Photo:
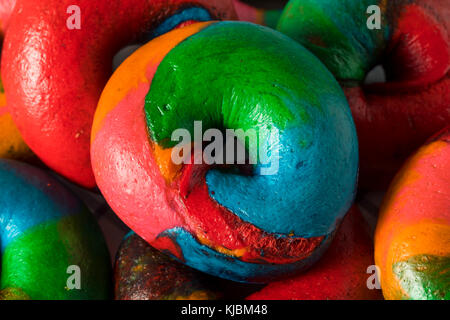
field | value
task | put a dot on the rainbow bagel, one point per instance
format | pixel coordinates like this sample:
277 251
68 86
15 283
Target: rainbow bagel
42 234
412 239
54 75
394 118
232 75
12 145
143 273
265 17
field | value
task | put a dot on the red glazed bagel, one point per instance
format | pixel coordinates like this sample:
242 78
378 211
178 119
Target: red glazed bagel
54 76
395 118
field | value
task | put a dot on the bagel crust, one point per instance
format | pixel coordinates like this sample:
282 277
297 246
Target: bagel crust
45 233
143 273
53 75
340 275
229 75
412 240
394 118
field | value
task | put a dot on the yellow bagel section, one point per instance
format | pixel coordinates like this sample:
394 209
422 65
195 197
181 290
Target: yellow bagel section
12 145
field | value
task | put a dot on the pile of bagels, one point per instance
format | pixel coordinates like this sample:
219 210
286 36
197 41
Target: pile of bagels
291 222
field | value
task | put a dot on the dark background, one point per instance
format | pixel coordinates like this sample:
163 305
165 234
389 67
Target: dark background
267 4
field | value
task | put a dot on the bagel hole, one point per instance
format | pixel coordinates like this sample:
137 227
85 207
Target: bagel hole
233 156
376 75
241 157
123 54
266 4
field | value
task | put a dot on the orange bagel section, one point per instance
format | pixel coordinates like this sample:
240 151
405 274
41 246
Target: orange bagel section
412 240
12 145
150 54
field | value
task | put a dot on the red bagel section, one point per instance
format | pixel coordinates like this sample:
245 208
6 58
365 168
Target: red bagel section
419 51
54 76
228 233
6 8
340 275
396 117
390 126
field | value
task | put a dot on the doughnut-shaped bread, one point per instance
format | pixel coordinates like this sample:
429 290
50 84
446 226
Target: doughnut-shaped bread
412 239
54 72
270 222
44 230
395 118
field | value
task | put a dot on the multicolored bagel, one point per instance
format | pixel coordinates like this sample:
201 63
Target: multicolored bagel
12 145
260 16
340 275
54 72
394 118
44 230
144 273
229 75
412 239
